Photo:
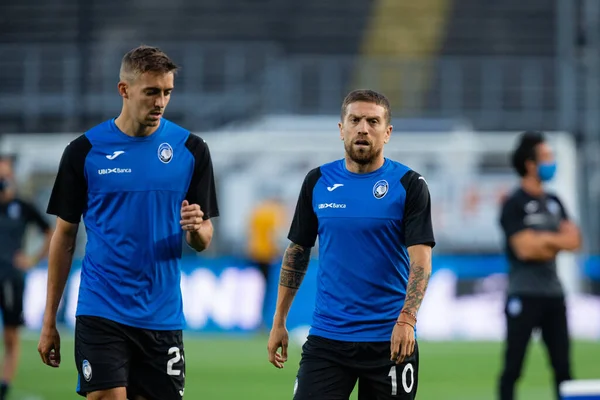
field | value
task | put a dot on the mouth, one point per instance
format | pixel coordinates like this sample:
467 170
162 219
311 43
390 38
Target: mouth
155 114
362 143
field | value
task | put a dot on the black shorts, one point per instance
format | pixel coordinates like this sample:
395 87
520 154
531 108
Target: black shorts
12 289
109 355
329 370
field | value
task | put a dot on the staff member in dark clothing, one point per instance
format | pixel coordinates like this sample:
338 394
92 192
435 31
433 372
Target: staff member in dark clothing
536 227
15 216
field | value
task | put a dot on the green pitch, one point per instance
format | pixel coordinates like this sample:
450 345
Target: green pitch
223 368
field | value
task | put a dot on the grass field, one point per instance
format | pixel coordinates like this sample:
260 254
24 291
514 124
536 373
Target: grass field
237 368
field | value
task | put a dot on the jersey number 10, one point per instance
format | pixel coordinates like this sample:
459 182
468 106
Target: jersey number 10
408 368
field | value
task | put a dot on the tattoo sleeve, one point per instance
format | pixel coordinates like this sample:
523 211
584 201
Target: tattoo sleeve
294 266
418 279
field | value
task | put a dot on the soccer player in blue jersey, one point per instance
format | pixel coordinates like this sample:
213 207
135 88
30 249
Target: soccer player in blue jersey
141 183
372 216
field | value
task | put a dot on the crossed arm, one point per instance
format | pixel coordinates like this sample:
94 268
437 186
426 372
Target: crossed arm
533 245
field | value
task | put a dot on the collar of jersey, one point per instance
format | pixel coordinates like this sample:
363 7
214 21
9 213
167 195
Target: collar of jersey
119 132
383 168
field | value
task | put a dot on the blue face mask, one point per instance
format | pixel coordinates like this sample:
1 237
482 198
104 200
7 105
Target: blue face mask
546 171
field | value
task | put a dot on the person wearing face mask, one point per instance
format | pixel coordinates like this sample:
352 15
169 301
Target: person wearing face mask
536 227
15 216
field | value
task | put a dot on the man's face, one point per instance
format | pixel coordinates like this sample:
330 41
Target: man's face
148 96
364 131
544 156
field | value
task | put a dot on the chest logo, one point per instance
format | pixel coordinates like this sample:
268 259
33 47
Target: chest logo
115 154
14 211
380 189
165 153
335 186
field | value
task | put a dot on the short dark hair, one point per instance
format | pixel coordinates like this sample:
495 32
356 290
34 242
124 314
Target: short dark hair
526 150
369 96
144 59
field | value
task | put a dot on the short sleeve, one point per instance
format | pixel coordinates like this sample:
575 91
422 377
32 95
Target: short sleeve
418 227
202 189
563 212
305 226
512 217
34 217
68 199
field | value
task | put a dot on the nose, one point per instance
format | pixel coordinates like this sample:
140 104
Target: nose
363 127
161 101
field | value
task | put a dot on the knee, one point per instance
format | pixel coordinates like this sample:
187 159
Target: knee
510 376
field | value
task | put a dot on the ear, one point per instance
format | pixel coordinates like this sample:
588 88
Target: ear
123 88
340 126
388 133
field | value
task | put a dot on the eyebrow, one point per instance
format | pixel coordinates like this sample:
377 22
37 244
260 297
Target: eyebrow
365 116
157 88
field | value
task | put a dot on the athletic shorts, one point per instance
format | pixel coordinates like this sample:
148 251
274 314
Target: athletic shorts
329 370
12 289
148 363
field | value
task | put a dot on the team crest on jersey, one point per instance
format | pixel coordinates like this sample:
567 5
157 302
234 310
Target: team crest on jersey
165 153
86 369
380 189
14 210
553 207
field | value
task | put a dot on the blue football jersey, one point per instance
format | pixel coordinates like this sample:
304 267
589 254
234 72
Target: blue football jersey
129 191
364 223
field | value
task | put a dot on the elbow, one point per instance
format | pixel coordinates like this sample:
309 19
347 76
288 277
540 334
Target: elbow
524 253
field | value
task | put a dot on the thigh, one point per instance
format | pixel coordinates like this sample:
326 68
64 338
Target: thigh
102 354
322 374
523 314
11 300
158 365
382 379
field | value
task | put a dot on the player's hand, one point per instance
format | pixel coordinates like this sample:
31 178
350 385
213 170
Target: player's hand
49 346
278 338
23 262
191 217
402 343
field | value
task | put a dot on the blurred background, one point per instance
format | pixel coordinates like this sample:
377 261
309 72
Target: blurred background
262 82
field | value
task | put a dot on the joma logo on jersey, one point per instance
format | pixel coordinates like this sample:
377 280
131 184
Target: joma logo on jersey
105 171
331 205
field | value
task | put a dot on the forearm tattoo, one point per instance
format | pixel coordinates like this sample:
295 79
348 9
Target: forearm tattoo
418 279
294 266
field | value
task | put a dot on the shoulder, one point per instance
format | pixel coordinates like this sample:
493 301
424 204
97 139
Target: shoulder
313 176
98 132
553 196
78 147
329 167
409 178
516 201
174 130
195 143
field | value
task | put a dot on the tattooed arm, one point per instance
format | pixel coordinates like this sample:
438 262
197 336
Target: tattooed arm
293 268
402 344
418 279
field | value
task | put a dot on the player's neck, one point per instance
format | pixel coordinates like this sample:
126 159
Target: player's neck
532 186
357 168
6 198
133 128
